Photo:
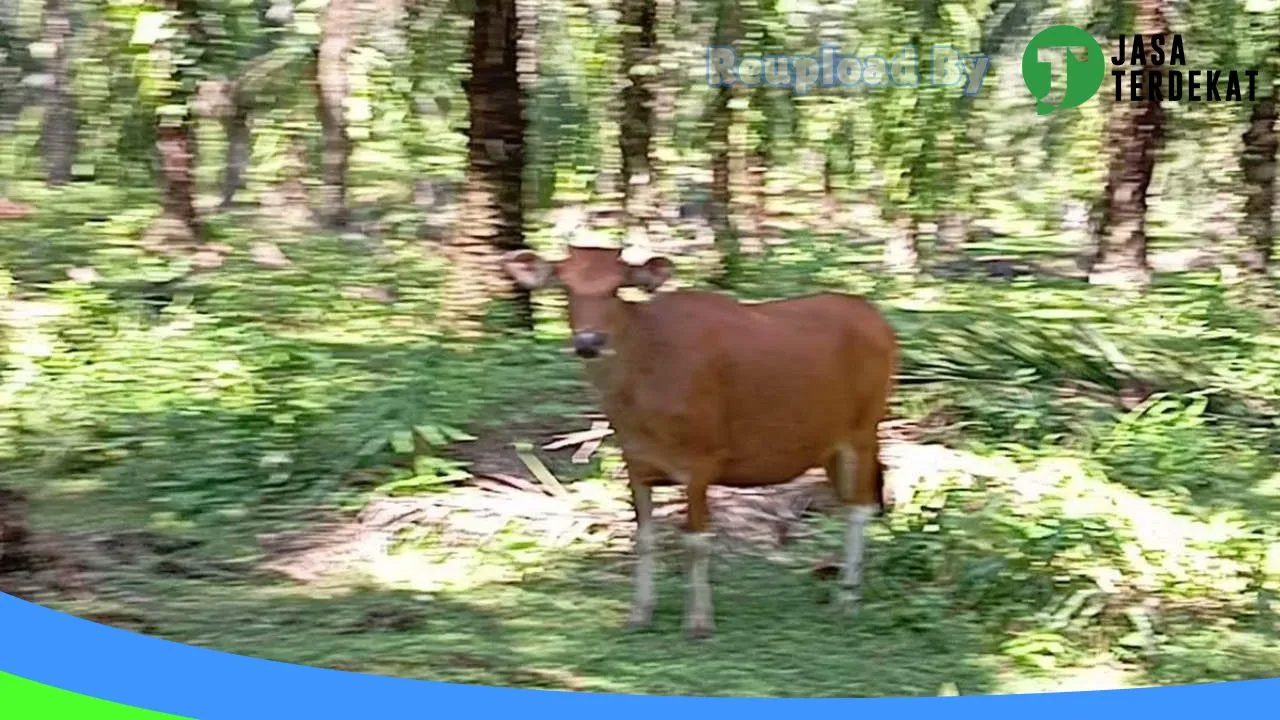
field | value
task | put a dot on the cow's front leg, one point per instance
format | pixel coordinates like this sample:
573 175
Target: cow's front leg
642 600
699 616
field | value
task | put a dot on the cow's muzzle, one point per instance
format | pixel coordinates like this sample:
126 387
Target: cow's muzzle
588 345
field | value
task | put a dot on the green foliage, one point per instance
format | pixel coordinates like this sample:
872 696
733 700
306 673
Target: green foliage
245 385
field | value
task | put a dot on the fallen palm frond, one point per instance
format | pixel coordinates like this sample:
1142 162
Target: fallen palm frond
539 470
599 430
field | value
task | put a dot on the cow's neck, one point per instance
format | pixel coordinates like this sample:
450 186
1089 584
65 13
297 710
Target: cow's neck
608 373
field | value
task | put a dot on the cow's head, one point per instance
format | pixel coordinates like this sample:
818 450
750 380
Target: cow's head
591 276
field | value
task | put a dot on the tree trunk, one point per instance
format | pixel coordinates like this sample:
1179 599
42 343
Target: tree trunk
15 532
728 156
336 32
900 190
722 161
957 192
527 38
415 22
527 28
662 143
239 139
175 141
1259 165
58 130
1136 132
759 223
175 135
953 231
639 43
13 95
491 218
749 192
901 251
830 203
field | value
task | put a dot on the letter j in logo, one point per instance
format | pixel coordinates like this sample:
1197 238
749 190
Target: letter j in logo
1051 54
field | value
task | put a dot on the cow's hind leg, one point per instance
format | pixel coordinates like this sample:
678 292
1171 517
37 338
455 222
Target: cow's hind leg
855 472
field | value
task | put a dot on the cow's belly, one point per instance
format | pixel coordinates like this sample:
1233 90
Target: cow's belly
777 458
775 437
763 455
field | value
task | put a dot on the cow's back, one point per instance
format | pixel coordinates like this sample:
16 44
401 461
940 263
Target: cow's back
772 386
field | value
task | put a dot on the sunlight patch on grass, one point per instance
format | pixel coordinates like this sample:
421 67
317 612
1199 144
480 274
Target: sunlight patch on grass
1271 565
1163 547
927 305
359 334
1060 314
1266 340
1101 674
75 487
1270 487
460 570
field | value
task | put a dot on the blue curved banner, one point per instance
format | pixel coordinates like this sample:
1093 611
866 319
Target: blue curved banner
65 652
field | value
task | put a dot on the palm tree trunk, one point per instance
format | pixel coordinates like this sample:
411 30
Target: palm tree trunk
332 86
728 158
13 96
901 247
175 141
15 532
1259 165
901 254
239 138
662 145
175 136
528 32
491 219
635 138
1136 132
58 131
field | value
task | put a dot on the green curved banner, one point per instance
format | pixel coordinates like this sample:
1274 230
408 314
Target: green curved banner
22 699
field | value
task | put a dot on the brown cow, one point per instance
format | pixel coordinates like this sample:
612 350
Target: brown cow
703 390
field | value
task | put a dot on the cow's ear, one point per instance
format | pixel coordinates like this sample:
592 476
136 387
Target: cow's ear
528 269
652 274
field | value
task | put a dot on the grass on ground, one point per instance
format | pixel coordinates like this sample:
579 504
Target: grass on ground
1094 476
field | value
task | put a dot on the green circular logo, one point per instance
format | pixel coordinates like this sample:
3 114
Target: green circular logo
1082 78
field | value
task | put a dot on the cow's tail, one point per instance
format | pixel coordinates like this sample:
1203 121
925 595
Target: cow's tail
881 496
886 500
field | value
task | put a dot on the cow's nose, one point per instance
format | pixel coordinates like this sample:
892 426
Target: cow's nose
588 344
